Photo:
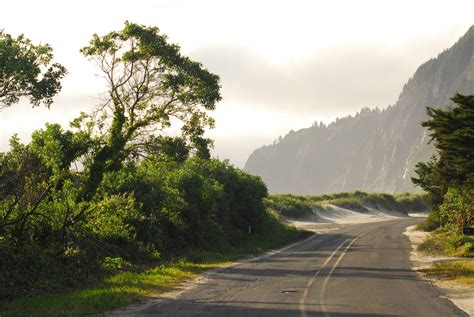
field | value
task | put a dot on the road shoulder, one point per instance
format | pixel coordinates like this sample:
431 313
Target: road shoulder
461 296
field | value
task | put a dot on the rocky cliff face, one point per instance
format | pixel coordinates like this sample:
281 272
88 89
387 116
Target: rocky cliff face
377 149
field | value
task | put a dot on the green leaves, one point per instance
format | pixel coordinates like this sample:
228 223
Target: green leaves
22 72
451 171
453 133
457 209
150 86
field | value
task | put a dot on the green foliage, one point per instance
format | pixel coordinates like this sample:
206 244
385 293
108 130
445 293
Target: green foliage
445 242
111 218
454 134
413 202
457 209
149 84
115 264
352 203
430 179
30 269
432 222
289 205
158 205
190 204
26 71
449 176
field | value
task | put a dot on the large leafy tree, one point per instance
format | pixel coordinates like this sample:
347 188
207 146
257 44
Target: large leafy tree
150 86
26 71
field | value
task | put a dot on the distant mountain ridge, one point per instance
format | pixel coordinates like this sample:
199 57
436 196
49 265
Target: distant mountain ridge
376 150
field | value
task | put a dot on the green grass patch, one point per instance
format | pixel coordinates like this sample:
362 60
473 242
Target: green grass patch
442 242
114 291
135 282
458 272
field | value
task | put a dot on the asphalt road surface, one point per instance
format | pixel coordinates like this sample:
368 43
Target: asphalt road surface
358 270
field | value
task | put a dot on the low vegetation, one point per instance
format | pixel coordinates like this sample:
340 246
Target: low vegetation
446 243
290 205
302 206
459 272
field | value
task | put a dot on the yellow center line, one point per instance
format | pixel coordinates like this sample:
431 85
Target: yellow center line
313 279
326 280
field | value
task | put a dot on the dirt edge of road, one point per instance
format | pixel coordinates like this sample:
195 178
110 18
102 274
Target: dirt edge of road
461 296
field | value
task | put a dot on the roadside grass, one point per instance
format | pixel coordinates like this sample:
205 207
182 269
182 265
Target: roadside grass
459 272
446 243
128 286
115 291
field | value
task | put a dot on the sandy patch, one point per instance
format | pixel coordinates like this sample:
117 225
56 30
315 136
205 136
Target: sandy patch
418 214
333 217
461 296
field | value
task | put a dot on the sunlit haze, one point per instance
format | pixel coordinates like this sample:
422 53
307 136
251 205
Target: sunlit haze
283 64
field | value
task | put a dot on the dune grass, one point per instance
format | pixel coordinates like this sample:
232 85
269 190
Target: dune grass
295 206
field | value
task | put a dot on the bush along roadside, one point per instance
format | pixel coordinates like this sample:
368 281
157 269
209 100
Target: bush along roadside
446 243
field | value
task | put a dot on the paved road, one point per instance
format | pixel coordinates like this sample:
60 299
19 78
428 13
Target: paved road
359 270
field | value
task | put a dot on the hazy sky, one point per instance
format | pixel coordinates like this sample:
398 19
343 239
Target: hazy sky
283 64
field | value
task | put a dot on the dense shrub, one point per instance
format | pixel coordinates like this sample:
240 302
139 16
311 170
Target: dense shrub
432 222
457 209
162 204
448 243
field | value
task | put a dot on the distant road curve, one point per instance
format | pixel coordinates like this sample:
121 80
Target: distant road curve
358 270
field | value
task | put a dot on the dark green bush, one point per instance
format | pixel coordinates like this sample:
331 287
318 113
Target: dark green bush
162 205
432 222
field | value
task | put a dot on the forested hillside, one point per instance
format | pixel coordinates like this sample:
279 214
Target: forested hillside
376 150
